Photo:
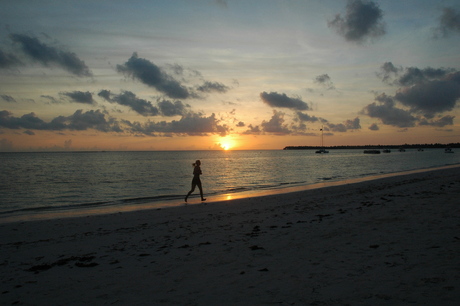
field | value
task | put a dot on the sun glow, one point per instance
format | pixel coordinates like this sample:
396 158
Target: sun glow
226 143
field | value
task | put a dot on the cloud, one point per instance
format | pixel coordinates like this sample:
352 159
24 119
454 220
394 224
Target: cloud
393 75
47 55
8 60
449 22
385 110
305 117
344 127
275 99
440 122
51 99
144 107
79 97
276 124
129 99
362 20
429 98
325 81
252 130
192 124
151 75
170 109
7 98
213 87
78 121
425 92
374 127
388 71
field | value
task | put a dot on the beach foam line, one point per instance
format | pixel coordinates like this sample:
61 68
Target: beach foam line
79 211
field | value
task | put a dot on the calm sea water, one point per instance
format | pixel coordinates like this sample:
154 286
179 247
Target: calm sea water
31 182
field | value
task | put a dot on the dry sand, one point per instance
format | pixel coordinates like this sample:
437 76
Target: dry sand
391 241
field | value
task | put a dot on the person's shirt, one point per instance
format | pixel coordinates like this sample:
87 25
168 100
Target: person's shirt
197 171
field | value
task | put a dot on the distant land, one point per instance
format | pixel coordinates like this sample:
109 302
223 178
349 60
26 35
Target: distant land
405 146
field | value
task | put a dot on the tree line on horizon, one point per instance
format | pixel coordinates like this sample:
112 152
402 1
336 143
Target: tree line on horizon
405 146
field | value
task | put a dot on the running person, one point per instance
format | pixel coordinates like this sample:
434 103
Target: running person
196 180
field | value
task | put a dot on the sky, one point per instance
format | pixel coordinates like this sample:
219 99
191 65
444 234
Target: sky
227 74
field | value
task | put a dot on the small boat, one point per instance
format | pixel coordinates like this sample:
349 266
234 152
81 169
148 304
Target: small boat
322 150
402 150
371 151
448 150
420 149
386 151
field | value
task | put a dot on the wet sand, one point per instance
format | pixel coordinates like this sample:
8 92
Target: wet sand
389 241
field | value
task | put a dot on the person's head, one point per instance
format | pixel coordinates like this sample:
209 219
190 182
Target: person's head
197 163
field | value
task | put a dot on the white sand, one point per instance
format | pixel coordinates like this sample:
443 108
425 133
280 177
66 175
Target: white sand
392 241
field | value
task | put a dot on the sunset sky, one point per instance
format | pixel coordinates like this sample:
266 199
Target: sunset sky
237 74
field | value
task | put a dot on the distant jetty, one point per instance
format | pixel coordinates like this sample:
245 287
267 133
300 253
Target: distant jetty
381 147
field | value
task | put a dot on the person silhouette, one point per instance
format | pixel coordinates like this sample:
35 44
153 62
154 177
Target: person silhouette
196 180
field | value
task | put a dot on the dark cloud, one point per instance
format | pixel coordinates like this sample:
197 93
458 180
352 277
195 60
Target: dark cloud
429 98
51 99
47 55
374 127
7 98
79 96
276 124
353 124
28 132
213 87
240 124
325 80
440 122
28 121
449 22
8 60
400 76
192 124
129 99
425 92
344 127
275 99
144 107
170 109
362 20
151 75
253 130
78 121
105 94
384 109
388 72
305 117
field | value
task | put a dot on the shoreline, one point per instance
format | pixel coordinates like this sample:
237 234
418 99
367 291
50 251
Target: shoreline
391 241
78 212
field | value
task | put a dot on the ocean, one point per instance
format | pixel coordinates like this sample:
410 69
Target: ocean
33 183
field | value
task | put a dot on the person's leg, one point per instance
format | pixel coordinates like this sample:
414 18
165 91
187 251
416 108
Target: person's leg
201 191
190 192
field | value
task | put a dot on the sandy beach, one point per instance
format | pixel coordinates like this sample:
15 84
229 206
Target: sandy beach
390 241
